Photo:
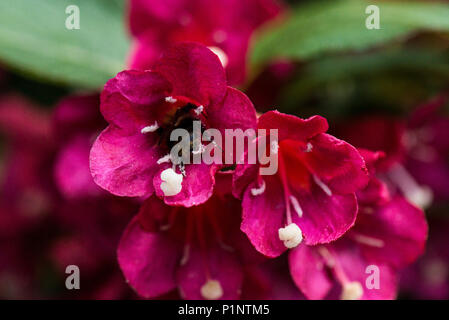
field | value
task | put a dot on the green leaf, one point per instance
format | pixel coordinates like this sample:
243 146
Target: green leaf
339 25
35 40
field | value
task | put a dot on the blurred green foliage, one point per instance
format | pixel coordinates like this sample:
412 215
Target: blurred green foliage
35 41
343 69
339 25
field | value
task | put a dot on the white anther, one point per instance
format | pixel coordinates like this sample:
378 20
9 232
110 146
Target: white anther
164 159
291 235
151 128
221 55
322 185
170 99
352 291
274 147
258 191
296 205
309 147
212 290
199 110
171 182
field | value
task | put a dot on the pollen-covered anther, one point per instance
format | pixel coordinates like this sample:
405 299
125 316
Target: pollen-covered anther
352 291
291 235
309 147
171 182
258 191
199 110
149 129
212 290
170 99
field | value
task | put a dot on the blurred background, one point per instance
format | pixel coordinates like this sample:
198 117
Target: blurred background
384 89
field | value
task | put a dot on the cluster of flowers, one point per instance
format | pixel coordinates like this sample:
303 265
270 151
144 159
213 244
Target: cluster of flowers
335 211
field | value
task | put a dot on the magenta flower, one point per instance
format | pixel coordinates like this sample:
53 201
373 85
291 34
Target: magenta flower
76 123
225 26
312 196
427 144
199 250
26 192
416 150
388 235
131 156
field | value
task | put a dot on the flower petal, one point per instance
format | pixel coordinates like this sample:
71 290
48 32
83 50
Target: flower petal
131 99
325 218
72 174
355 267
263 215
194 71
236 111
338 164
124 164
197 185
308 270
291 127
148 260
399 229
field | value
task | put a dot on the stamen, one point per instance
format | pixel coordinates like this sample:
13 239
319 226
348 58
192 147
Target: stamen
151 128
322 185
185 255
170 99
212 290
296 205
291 235
258 191
164 159
327 256
171 182
420 196
182 168
369 241
199 110
221 55
200 149
309 147
352 291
